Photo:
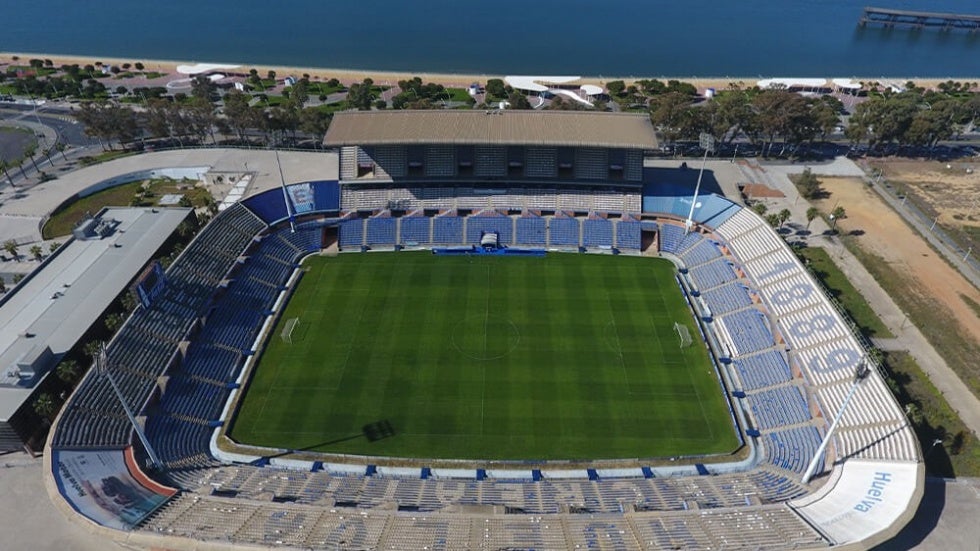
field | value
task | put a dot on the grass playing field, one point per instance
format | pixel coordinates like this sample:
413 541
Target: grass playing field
562 357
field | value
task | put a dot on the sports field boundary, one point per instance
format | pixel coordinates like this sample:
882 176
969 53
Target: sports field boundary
225 448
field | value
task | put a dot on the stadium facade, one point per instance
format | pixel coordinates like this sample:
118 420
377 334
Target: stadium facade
561 181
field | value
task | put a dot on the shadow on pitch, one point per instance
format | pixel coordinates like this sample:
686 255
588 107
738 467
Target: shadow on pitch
372 432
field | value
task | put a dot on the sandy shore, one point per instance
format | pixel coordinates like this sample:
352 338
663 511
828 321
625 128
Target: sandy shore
351 75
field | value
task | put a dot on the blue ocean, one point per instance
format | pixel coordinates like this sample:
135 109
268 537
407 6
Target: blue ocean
718 38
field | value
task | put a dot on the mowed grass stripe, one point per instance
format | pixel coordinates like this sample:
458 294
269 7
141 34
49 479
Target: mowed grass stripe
562 357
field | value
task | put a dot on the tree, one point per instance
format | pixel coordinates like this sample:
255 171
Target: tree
36 252
808 184
3 285
616 88
67 371
359 96
203 87
668 113
760 208
106 121
314 121
11 247
239 114
784 216
114 321
811 214
495 88
836 215
518 100
45 405
92 349
138 65
772 219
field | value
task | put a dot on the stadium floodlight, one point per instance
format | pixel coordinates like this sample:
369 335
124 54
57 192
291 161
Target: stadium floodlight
860 373
285 197
102 369
707 143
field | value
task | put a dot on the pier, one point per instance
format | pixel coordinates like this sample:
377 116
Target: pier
919 19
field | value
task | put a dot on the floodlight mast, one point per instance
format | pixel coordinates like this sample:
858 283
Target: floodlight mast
285 196
860 373
102 368
707 142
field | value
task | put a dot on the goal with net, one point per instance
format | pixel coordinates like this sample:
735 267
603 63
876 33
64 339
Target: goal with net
287 330
683 334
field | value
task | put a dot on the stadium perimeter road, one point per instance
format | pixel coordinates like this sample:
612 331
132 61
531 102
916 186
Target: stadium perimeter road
21 214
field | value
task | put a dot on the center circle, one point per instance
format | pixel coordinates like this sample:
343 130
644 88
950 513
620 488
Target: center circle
485 337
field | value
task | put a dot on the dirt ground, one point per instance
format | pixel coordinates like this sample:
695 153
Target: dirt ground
760 190
949 190
879 230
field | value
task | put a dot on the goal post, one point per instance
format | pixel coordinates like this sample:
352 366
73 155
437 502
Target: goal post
683 334
287 330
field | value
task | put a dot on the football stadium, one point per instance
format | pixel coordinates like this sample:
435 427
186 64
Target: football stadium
486 330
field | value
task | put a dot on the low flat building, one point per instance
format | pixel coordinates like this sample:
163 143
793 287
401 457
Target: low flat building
43 317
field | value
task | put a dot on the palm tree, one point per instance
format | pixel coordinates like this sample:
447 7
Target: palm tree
836 215
784 215
54 246
45 406
67 371
114 321
811 213
11 247
3 167
92 349
36 252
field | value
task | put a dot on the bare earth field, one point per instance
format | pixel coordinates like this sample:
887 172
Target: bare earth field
950 191
930 280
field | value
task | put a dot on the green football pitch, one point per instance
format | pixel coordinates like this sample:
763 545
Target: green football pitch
566 356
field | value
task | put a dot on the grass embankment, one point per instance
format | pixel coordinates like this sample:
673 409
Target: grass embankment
931 317
141 193
847 296
561 357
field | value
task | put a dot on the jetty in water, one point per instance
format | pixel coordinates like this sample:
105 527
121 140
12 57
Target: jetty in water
919 19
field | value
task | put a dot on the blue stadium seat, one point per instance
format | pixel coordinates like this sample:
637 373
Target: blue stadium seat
712 274
670 238
564 231
597 232
628 235
531 230
762 370
415 229
381 231
447 230
778 407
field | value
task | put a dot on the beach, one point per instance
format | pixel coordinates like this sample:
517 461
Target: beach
348 76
